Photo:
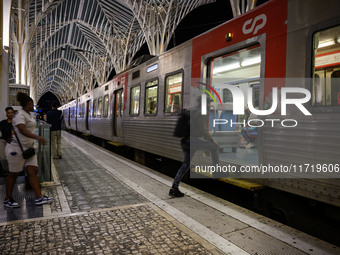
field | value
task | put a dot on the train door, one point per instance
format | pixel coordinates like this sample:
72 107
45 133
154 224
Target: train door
335 88
69 116
118 106
87 114
75 115
240 69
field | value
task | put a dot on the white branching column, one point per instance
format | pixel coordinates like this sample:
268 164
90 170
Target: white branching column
158 19
241 6
123 37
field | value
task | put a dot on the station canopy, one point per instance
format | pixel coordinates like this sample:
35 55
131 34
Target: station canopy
71 46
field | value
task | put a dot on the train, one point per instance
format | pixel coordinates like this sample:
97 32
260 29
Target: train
281 44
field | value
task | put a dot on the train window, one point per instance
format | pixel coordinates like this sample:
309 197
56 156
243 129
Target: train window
83 110
173 93
227 96
326 68
122 103
151 89
94 108
239 68
134 100
100 107
80 111
106 106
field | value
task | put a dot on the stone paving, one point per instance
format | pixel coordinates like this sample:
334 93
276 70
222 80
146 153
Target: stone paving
136 229
25 197
127 225
88 186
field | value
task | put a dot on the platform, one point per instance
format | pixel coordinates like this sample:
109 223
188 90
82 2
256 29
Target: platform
106 204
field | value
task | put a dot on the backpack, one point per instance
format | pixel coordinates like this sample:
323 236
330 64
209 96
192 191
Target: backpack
182 128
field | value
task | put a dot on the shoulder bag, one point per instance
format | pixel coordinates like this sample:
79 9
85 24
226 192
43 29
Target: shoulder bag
30 152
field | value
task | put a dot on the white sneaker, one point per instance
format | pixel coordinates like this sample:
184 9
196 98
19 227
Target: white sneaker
250 145
10 203
43 200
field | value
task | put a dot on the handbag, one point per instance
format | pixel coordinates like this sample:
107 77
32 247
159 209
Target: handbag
30 152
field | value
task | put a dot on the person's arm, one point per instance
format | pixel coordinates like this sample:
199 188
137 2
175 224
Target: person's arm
23 130
48 118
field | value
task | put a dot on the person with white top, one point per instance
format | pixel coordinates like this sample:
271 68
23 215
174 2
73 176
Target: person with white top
23 126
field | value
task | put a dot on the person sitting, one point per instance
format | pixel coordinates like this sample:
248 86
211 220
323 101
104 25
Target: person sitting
175 106
152 107
248 132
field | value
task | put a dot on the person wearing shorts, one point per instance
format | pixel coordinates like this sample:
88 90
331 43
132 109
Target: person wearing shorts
23 128
6 134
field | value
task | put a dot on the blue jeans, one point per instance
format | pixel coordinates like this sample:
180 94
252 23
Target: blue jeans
195 144
245 135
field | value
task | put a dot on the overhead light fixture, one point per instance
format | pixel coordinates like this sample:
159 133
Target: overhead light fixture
226 68
328 42
251 61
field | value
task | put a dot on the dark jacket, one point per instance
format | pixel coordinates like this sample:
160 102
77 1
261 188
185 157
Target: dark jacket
55 118
6 130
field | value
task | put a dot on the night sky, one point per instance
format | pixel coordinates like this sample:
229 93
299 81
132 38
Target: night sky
197 22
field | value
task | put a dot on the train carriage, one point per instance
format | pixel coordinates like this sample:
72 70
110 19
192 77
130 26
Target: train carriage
281 44
158 91
100 123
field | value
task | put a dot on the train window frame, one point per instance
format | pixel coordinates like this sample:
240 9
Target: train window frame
139 101
180 71
257 40
94 108
121 107
100 109
310 69
83 110
107 104
145 99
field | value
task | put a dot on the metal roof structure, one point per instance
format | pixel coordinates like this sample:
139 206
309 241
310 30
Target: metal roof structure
68 46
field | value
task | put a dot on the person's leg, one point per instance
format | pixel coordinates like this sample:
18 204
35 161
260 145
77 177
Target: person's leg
54 144
16 164
3 156
245 135
32 172
4 164
59 142
182 170
10 182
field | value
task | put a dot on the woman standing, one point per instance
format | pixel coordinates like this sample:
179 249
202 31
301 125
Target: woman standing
24 125
6 134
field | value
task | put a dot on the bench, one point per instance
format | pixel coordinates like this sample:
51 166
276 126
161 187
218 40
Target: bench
228 139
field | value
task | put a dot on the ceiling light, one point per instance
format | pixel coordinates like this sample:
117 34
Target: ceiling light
251 61
326 43
226 68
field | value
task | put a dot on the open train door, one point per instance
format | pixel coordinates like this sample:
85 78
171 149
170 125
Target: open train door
87 114
118 104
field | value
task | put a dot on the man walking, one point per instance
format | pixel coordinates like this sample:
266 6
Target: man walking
198 139
55 118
